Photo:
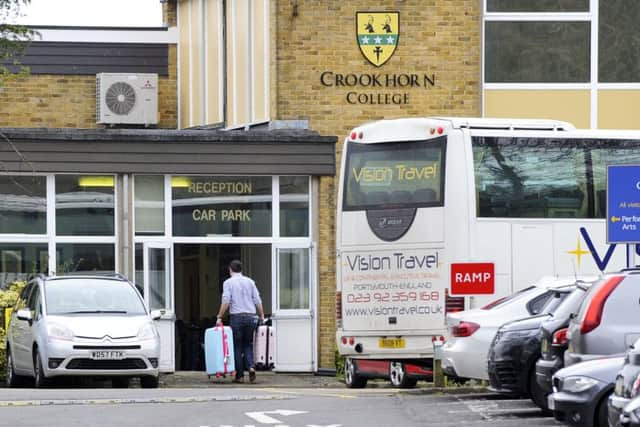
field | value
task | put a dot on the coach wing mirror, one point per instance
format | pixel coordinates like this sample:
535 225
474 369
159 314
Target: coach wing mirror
24 314
156 314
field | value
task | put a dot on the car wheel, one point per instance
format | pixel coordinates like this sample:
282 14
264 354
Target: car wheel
399 377
149 382
538 395
120 382
351 378
41 380
11 378
602 415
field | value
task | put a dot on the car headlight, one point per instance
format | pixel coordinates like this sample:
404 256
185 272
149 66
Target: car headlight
578 384
59 332
147 332
516 335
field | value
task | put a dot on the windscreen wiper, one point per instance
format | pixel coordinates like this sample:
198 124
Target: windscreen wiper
97 312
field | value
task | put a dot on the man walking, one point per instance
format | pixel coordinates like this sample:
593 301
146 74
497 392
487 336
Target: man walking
241 297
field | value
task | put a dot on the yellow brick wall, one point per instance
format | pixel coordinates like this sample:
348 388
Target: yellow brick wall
440 37
69 101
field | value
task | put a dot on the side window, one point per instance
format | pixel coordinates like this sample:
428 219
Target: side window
24 295
34 302
535 305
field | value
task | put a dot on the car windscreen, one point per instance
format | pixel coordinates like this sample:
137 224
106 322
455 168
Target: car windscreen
407 174
556 301
570 304
92 296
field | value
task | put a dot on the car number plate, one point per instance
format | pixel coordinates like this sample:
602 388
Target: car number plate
391 343
550 402
107 355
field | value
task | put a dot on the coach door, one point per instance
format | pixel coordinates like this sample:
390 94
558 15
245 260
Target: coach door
294 308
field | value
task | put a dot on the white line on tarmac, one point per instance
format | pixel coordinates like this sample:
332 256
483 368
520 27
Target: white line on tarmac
16 403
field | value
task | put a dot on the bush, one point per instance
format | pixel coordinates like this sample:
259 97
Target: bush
339 361
8 298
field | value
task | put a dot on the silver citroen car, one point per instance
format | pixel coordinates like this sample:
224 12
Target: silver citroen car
91 325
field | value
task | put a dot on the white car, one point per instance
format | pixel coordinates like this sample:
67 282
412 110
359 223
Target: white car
470 332
86 325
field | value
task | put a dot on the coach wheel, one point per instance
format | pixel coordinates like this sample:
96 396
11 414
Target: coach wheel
351 377
398 376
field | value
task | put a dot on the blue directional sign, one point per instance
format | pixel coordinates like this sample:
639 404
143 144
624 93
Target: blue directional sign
623 204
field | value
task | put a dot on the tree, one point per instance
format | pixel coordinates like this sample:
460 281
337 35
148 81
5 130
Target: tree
14 39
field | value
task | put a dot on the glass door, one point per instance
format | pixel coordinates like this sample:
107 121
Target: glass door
294 311
158 295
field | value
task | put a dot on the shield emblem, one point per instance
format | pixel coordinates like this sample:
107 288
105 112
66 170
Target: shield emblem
378 34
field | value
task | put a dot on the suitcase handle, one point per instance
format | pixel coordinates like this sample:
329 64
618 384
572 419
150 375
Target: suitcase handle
225 349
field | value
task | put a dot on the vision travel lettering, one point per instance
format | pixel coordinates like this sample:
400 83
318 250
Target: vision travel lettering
398 261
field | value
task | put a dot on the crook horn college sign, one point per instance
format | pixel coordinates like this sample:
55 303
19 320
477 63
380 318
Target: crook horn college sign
377 36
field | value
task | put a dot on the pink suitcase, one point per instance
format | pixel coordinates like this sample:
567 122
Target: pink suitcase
264 347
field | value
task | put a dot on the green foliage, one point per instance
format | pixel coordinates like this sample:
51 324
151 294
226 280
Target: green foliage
14 39
8 298
339 362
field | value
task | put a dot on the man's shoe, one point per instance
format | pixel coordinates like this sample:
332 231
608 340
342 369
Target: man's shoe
252 375
238 380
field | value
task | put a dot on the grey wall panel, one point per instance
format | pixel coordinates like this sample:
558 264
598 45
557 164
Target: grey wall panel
165 151
91 58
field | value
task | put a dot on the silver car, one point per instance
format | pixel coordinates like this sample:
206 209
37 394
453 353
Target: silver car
94 326
607 322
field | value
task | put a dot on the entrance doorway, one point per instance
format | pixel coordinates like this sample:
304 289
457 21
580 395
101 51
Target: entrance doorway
199 271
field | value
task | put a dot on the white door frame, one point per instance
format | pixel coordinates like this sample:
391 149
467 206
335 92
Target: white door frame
166 324
296 314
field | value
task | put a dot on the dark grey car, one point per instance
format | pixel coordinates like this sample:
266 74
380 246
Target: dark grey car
581 392
607 321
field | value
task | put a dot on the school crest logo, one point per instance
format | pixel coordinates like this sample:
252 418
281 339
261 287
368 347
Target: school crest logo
378 34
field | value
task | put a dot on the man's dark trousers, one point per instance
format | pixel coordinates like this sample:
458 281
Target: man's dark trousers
243 327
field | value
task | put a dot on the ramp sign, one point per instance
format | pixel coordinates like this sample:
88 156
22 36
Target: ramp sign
472 278
623 204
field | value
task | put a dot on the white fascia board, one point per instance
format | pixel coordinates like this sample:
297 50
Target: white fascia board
108 35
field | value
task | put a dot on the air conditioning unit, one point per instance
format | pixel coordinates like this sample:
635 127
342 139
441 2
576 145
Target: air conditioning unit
127 98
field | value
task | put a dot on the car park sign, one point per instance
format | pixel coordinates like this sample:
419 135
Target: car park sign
472 278
623 204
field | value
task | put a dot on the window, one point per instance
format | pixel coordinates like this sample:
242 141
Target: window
619 41
72 257
537 52
294 206
536 305
23 204
221 205
84 205
394 175
293 278
19 260
537 5
149 205
546 177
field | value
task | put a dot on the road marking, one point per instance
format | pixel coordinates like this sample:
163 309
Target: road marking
312 393
19 403
263 418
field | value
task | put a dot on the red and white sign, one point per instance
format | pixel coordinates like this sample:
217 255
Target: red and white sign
472 278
